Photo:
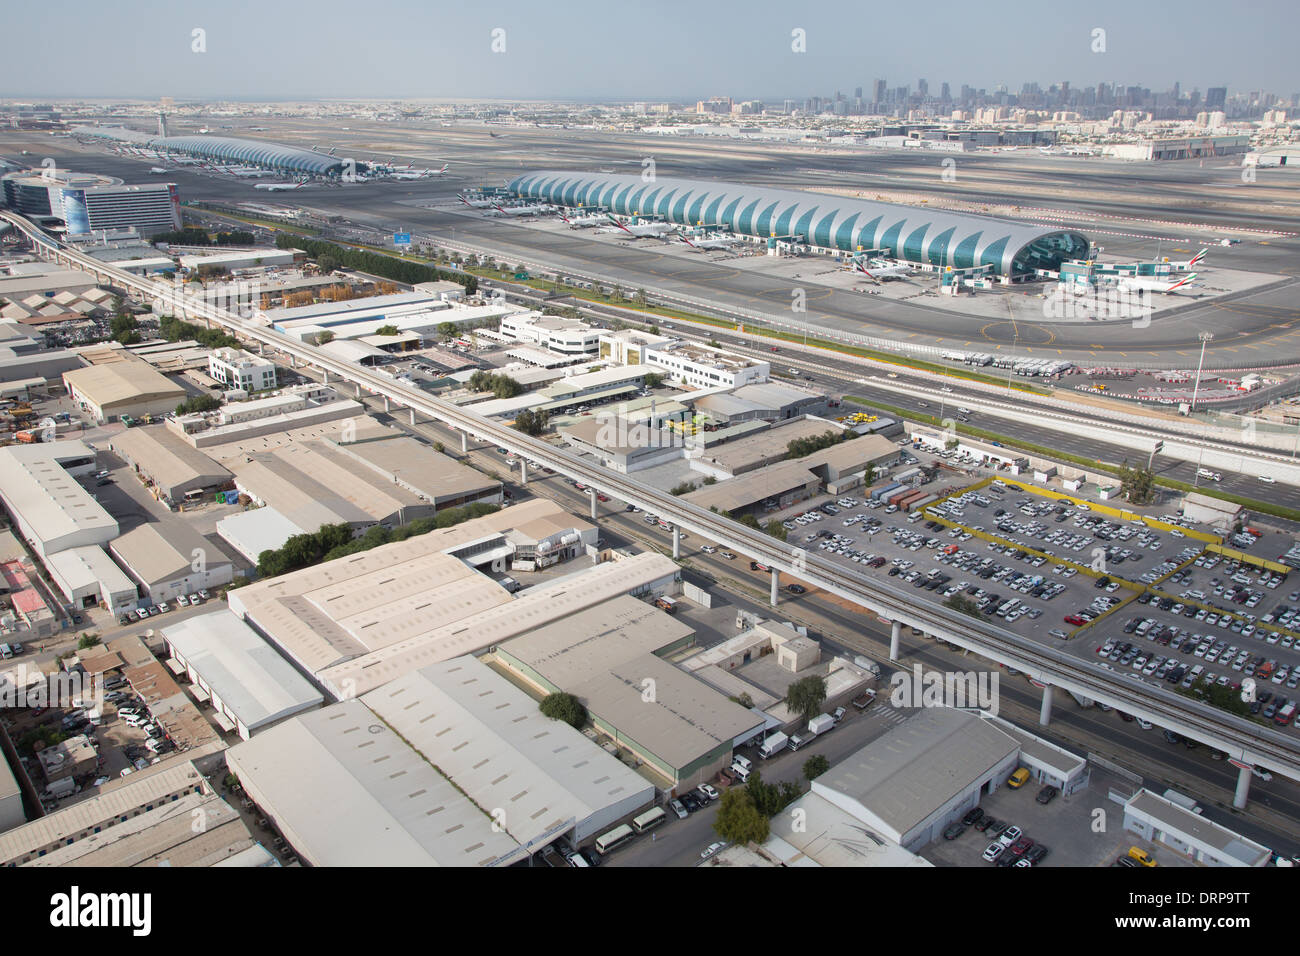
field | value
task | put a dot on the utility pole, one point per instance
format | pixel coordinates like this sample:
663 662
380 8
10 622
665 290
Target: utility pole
1205 338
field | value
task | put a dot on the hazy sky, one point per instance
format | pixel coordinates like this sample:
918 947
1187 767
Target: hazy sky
606 50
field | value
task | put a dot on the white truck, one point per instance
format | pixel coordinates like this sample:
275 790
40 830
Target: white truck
774 744
867 664
820 724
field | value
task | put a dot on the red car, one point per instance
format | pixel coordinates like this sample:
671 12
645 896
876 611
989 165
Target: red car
601 498
1021 846
1073 619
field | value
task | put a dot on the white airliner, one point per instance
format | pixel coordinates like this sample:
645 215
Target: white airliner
1191 263
584 222
523 210
716 242
409 173
157 171
643 230
280 187
880 269
477 203
1152 284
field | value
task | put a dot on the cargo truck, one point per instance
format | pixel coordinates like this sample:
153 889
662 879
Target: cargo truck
774 744
61 788
820 724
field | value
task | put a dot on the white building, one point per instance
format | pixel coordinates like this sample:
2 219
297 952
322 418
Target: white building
698 366
1189 834
53 512
241 673
88 577
571 337
171 560
238 369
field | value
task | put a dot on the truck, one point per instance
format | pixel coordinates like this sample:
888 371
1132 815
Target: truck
864 700
774 744
867 664
61 788
820 724
666 604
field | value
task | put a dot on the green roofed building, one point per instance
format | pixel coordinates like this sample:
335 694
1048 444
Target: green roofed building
930 237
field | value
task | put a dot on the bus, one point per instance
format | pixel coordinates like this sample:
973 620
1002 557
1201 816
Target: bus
649 820
609 842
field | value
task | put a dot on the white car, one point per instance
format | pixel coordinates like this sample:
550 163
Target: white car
994 851
711 849
1267 480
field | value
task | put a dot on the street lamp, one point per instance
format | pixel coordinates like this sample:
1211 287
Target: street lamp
1205 338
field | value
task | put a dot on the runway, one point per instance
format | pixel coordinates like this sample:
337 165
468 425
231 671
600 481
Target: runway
1253 329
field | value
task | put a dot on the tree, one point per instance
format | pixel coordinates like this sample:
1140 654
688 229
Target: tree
771 798
532 423
653 380
87 640
446 331
806 696
1137 485
776 530
565 707
639 298
739 821
387 330
800 447
963 605
815 766
324 337
198 403
684 488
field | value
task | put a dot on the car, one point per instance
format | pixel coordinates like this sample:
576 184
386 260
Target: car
711 849
708 792
690 802
1010 835
1125 861
1018 779
1021 846
1036 853
709 549
839 714
1267 480
993 851
954 830
729 555
1047 794
678 808
796 589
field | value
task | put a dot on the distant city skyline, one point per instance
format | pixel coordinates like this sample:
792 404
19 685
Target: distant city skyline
586 50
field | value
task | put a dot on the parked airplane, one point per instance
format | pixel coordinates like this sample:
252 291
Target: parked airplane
644 229
280 187
523 210
477 203
881 269
1191 263
716 242
583 222
418 173
1152 284
157 171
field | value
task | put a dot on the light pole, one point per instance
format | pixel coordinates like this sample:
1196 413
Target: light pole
1205 338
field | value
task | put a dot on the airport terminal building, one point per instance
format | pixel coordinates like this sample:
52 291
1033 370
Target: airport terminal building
834 224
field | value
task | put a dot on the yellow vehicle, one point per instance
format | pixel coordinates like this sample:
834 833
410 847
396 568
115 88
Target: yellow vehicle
1018 779
1142 856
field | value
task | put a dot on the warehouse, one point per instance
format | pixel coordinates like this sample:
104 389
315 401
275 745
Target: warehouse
490 739
243 675
170 465
88 577
763 448
773 488
11 799
833 224
172 559
769 400
1189 834
128 386
386 804
916 779
604 656
39 488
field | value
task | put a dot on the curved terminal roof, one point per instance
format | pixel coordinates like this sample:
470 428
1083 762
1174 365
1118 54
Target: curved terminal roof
254 152
225 149
923 236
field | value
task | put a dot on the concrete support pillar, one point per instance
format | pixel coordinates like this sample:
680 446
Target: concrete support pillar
1045 710
895 633
464 443
358 389
592 492
677 542
413 416
293 361
1243 789
523 472
387 405
325 376
776 585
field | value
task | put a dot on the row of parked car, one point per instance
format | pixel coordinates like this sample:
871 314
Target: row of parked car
144 613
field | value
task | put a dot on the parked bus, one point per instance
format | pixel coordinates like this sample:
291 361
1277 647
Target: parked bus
649 820
609 842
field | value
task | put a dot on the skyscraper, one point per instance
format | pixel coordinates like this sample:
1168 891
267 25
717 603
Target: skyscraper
1216 97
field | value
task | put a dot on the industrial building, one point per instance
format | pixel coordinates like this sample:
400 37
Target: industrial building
146 819
49 507
88 577
239 672
832 224
175 469
11 798
605 656
127 386
170 559
769 401
357 622
88 202
762 448
698 366
571 337
1183 830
